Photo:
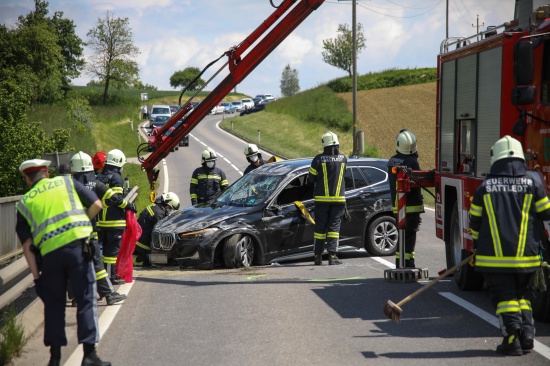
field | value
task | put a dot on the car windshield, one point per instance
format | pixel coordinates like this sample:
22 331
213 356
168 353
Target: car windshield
251 190
237 103
160 110
161 119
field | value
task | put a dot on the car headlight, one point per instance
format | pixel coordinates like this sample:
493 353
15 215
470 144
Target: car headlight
200 234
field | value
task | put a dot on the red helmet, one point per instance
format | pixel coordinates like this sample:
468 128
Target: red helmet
99 159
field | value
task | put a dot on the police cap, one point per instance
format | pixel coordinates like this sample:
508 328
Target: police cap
34 165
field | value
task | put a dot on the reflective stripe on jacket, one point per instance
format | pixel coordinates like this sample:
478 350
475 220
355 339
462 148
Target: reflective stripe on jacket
327 173
112 217
54 213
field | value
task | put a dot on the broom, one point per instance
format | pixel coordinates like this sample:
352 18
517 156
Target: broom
393 311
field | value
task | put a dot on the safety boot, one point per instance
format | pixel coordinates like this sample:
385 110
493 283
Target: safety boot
527 341
510 346
114 298
333 259
115 280
409 263
55 356
318 259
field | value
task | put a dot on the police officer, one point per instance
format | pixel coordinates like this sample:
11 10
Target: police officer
112 220
83 171
253 156
147 219
407 156
327 174
53 225
207 180
506 213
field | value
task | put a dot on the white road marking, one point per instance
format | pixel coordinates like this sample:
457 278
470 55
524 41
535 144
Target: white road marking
540 348
106 319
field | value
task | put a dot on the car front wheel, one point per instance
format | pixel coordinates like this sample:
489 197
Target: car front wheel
382 236
238 250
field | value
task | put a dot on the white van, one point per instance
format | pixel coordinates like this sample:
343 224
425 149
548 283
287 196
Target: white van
159 110
247 103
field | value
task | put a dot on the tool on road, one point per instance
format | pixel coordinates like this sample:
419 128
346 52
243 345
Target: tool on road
393 311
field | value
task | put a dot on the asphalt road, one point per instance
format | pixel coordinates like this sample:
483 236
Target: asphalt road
293 313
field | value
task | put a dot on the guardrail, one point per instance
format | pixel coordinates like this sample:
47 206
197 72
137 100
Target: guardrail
16 277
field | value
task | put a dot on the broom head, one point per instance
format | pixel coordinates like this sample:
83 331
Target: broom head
392 311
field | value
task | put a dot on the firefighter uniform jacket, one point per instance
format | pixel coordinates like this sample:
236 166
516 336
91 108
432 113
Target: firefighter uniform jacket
415 202
147 220
505 212
112 217
327 173
206 183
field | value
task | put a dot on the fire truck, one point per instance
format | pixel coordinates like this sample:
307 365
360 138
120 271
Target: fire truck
491 84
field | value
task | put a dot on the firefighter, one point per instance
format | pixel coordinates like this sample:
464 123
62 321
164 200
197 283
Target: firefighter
112 220
207 181
254 157
406 156
53 225
99 161
505 219
147 219
83 171
326 173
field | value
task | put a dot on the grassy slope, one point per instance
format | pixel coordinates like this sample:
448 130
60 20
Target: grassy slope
382 113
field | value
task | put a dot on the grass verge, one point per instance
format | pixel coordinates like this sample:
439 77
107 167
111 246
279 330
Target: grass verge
12 336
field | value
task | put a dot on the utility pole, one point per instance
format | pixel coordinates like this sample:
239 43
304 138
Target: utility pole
477 26
354 55
447 21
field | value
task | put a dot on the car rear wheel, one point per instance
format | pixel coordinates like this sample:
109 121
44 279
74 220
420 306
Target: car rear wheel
382 236
238 250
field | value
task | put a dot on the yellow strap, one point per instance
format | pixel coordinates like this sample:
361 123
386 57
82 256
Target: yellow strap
304 211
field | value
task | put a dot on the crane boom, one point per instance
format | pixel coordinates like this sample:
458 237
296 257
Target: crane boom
287 16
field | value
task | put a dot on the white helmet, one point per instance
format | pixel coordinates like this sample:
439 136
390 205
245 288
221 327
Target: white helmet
116 157
81 162
171 199
506 147
406 142
330 139
208 155
251 150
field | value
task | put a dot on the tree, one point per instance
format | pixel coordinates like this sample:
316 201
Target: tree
290 84
338 52
112 47
183 79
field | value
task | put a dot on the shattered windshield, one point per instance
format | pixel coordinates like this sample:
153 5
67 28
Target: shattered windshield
251 190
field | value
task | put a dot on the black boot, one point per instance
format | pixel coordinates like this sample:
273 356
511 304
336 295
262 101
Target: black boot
409 263
91 358
115 280
510 346
55 356
318 259
527 341
114 298
333 259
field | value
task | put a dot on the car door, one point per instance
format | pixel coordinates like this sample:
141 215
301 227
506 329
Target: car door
287 231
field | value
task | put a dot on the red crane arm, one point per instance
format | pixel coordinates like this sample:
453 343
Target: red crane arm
287 17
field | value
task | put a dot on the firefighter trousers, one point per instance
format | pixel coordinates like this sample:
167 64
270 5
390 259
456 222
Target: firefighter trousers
328 218
111 240
508 292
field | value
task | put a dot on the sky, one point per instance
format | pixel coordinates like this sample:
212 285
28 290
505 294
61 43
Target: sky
174 34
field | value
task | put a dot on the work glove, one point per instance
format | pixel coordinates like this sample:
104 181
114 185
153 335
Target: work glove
38 287
131 206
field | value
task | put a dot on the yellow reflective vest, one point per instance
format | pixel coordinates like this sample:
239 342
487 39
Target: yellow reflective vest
54 213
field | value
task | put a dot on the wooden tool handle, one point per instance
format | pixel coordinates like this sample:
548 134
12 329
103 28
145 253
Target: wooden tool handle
433 282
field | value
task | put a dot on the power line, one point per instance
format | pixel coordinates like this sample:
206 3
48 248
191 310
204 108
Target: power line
408 7
459 13
395 16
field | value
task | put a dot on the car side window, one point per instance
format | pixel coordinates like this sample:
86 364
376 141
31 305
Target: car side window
296 190
373 175
348 179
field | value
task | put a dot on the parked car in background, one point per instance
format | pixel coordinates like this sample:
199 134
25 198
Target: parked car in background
228 107
174 108
265 96
159 110
238 105
256 100
247 103
185 140
257 108
158 121
218 109
256 221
